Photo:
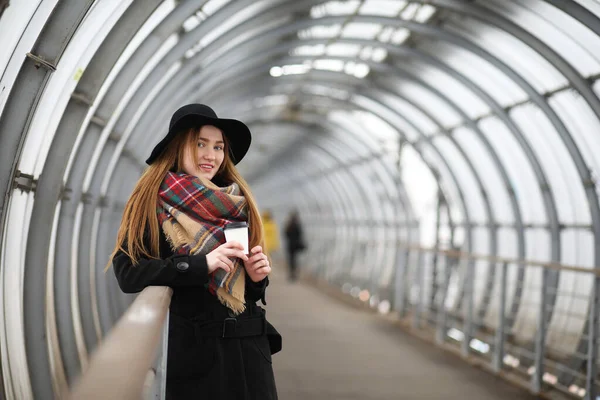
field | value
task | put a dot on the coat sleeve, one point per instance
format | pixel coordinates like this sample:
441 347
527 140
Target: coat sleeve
256 290
174 271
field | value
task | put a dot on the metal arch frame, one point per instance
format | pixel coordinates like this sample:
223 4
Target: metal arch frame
545 194
554 247
348 207
317 21
28 87
390 192
341 163
546 197
442 159
408 214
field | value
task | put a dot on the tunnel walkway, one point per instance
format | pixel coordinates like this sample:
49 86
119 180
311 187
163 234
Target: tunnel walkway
334 351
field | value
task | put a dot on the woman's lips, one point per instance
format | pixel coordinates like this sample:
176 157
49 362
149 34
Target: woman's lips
206 167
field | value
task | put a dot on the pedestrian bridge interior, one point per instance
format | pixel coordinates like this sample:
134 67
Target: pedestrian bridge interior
443 156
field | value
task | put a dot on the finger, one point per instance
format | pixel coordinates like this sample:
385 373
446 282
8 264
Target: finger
221 264
266 270
261 264
227 262
232 245
235 253
255 258
256 249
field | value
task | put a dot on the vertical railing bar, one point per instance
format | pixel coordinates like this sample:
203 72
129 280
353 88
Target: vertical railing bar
592 353
468 322
540 337
442 315
420 275
498 360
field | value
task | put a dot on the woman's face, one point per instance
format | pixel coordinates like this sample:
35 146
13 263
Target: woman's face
210 149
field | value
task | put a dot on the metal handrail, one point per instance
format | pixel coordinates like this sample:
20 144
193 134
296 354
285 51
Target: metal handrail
119 366
482 257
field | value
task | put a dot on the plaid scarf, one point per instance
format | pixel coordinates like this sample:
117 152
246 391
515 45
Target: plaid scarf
192 217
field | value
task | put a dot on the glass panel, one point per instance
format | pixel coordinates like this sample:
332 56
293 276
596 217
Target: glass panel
422 190
518 167
462 97
495 187
320 32
481 245
508 248
465 177
483 74
404 129
558 30
582 123
386 8
343 49
412 114
525 61
449 187
556 162
538 248
574 289
361 30
334 8
427 100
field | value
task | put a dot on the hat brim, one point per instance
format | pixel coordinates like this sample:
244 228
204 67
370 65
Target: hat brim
237 133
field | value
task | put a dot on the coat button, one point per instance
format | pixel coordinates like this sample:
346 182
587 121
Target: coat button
231 313
182 266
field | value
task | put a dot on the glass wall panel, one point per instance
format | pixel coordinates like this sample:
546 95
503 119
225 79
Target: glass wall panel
421 189
492 180
538 249
582 124
404 129
570 311
528 63
503 89
507 248
449 188
427 100
519 169
462 97
557 29
560 171
465 177
414 115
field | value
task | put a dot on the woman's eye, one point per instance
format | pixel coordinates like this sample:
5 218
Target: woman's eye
219 148
200 144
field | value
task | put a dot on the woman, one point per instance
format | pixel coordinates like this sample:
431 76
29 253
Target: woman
171 234
295 243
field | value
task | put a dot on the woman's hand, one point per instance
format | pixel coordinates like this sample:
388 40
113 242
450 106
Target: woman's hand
257 266
220 257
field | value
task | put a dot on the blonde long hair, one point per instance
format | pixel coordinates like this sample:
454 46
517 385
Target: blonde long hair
139 224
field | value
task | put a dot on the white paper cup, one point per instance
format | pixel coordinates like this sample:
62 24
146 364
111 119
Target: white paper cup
237 232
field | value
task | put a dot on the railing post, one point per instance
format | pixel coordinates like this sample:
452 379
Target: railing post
399 284
540 336
420 277
498 360
468 322
442 317
592 353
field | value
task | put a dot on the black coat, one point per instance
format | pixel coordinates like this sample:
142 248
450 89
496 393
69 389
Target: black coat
200 362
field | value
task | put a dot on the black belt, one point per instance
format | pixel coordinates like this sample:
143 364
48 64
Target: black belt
233 327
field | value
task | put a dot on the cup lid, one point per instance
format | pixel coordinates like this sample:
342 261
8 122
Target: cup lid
234 225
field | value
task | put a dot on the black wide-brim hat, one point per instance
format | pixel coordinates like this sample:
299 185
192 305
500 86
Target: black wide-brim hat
197 115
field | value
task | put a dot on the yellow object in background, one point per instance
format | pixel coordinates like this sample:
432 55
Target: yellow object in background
271 233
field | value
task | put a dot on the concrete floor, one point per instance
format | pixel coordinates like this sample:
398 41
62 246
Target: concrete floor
335 352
